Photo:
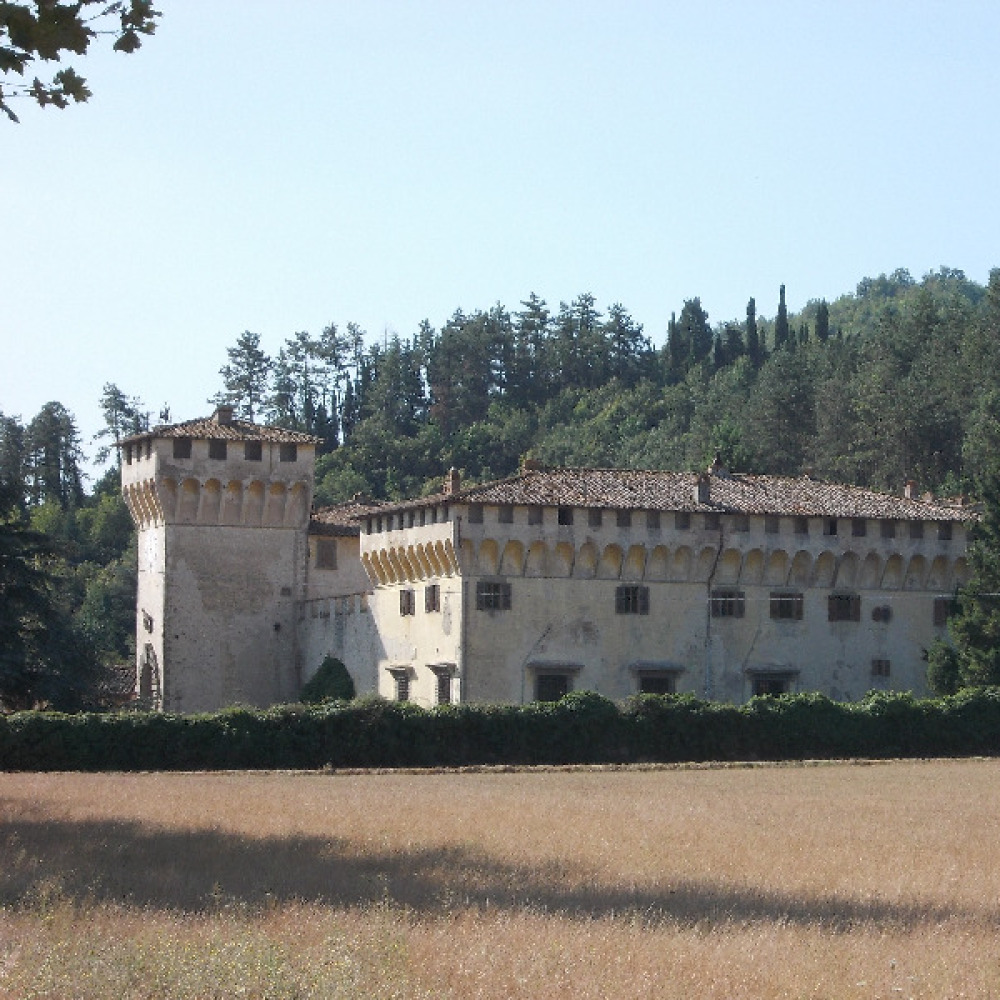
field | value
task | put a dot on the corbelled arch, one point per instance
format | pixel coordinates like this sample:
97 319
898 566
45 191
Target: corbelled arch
871 571
585 566
610 565
776 570
512 559
658 563
824 570
892 578
916 573
561 563
729 566
800 573
634 566
753 568
537 562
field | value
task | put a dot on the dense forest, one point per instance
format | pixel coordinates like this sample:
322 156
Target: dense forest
898 380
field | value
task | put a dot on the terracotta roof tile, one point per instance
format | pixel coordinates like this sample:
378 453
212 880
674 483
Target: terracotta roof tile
630 489
341 518
210 429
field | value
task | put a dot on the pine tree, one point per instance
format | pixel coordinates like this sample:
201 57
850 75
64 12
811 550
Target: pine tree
781 322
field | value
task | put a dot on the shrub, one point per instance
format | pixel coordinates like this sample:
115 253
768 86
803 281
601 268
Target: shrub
332 682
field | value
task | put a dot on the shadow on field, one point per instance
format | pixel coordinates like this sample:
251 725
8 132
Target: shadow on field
47 860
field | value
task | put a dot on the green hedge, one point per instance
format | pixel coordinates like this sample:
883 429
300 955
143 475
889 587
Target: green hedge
582 728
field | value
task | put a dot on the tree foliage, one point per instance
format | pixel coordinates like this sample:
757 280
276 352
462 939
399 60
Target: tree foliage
45 30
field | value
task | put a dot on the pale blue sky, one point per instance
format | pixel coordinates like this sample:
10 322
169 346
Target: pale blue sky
277 166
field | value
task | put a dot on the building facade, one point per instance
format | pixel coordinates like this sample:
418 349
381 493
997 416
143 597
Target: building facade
618 581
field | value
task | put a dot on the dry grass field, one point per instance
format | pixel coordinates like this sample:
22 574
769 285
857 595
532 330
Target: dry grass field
835 881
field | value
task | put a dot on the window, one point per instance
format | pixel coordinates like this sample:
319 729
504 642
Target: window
217 450
565 515
253 451
882 613
786 607
802 526
421 517
492 596
288 452
741 522
505 514
652 520
410 518
771 683
475 513
326 553
442 686
128 454
888 529
534 515
916 529
657 682
844 608
551 686
401 682
595 517
623 519
859 527
407 603
712 521
772 524
942 608
682 520
944 531
880 668
631 599
432 597
830 526
149 447
182 447
728 603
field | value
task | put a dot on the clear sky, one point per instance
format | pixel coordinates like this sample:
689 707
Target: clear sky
277 166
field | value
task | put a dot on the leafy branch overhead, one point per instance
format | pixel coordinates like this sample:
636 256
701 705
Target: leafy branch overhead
43 30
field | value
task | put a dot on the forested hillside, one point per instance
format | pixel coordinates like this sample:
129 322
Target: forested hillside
898 380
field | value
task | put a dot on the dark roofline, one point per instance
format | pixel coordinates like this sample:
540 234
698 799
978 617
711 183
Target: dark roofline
223 426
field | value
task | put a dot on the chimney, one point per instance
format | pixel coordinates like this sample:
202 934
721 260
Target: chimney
223 415
530 464
718 468
453 483
703 488
910 489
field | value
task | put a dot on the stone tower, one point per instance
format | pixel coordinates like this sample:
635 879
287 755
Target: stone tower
222 508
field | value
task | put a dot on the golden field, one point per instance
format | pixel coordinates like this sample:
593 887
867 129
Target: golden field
830 880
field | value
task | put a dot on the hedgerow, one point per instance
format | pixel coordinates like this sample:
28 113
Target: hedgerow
582 728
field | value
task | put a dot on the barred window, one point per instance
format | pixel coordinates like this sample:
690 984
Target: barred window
786 606
830 526
657 682
552 686
432 597
631 599
771 683
844 608
492 596
217 450
728 603
442 685
401 683
253 451
288 452
880 668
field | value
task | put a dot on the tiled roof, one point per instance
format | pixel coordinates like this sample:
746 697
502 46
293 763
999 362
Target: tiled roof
341 518
630 489
211 429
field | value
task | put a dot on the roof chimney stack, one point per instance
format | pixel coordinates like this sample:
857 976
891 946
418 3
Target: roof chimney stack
703 488
910 489
223 415
453 483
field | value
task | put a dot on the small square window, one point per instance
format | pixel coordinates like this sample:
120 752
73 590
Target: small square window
916 529
432 597
253 451
475 513
741 522
802 526
217 450
595 517
631 599
552 686
442 684
771 684
772 524
565 515
534 515
944 530
786 607
492 596
859 527
880 668
624 519
657 682
128 454
505 514
712 521
728 603
652 520
182 447
407 603
888 529
401 683
830 526
682 520
288 452
844 608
